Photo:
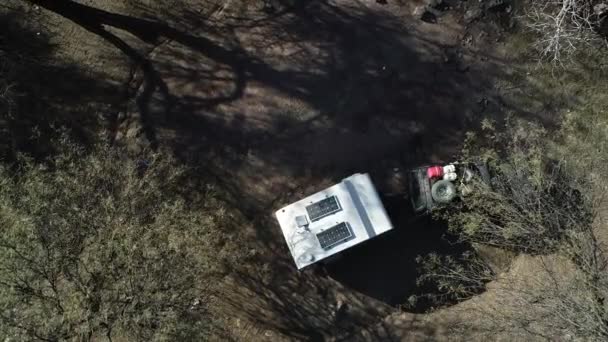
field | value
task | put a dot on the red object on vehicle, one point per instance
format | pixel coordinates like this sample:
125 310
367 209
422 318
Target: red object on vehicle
434 172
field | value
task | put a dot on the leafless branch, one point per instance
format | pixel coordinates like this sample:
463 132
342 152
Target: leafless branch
562 26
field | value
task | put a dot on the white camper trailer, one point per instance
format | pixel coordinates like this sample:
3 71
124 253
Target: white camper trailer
332 220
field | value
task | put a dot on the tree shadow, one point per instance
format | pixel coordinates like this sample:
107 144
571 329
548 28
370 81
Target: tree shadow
278 106
46 95
386 268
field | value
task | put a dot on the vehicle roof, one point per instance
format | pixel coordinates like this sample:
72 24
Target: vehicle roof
361 208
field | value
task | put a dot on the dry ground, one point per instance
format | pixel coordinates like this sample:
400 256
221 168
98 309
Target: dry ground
278 105
494 315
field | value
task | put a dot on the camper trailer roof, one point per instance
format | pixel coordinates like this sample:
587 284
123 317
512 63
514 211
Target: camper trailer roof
332 220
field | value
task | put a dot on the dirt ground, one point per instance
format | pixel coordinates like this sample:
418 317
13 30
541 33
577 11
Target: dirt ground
277 105
485 317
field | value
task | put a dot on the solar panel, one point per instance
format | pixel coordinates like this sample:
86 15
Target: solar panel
324 207
334 235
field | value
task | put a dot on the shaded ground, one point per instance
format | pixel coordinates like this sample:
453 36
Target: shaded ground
48 93
386 268
276 106
494 315
301 99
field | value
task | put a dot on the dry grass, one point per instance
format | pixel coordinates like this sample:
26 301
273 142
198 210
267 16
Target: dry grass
96 234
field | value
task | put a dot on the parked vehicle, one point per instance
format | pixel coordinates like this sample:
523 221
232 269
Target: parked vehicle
432 186
320 226
332 220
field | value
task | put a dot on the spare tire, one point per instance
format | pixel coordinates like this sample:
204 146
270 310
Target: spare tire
443 191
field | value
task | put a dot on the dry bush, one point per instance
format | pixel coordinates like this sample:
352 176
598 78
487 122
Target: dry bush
534 204
563 26
583 139
453 278
547 198
541 298
96 244
533 200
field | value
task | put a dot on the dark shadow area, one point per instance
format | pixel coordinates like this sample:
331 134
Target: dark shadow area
385 268
274 105
303 306
45 95
601 26
277 106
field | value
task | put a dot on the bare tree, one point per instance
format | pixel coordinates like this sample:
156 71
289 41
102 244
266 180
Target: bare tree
563 26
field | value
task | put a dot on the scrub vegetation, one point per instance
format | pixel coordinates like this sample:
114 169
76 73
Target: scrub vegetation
143 148
547 199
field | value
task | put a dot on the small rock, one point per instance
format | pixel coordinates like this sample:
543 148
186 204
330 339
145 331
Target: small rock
472 15
119 136
133 132
433 3
495 4
195 303
427 11
419 11
339 305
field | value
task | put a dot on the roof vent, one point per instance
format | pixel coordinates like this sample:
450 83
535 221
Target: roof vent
301 221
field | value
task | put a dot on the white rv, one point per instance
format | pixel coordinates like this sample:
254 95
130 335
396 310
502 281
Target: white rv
333 220
351 212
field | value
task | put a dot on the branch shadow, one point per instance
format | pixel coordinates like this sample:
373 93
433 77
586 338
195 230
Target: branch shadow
278 106
45 94
281 106
386 268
